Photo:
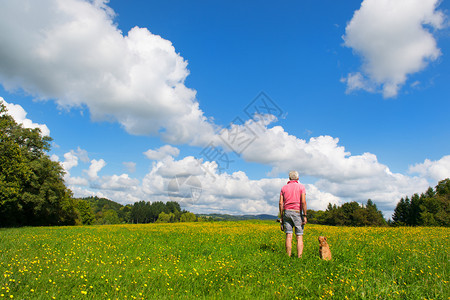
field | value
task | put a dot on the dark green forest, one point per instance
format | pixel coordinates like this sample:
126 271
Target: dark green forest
349 214
33 193
431 208
94 210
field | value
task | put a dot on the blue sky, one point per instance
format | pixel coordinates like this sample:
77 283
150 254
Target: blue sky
135 93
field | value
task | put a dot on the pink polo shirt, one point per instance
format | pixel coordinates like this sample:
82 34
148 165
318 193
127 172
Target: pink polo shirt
292 192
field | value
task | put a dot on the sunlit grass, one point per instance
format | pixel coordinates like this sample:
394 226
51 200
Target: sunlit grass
221 260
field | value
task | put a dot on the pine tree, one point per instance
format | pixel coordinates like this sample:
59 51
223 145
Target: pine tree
400 216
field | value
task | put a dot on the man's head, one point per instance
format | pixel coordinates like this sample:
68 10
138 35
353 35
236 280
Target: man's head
293 175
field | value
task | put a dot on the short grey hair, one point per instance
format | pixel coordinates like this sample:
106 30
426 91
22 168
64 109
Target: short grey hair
293 175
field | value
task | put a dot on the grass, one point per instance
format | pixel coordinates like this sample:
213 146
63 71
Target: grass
221 260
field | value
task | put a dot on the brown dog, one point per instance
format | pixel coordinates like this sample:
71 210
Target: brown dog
324 249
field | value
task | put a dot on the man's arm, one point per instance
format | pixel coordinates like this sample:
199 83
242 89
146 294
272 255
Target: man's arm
281 205
303 207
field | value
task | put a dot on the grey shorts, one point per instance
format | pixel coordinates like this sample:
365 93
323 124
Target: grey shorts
292 219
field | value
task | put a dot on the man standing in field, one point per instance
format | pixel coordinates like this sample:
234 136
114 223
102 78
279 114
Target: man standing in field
292 204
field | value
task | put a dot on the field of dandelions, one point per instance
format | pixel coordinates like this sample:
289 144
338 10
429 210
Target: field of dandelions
219 260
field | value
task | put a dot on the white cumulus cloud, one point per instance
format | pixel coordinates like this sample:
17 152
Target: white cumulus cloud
76 181
73 52
393 40
71 158
70 161
436 170
321 157
119 182
94 168
20 116
162 152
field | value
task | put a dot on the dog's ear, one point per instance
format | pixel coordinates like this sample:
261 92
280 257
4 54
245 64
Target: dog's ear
325 238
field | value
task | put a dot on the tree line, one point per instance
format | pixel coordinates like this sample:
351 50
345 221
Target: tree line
95 210
33 192
349 214
431 208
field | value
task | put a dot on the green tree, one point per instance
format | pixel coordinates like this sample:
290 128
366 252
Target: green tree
87 216
125 213
188 217
110 217
434 212
164 218
316 217
430 193
374 216
443 195
332 215
401 213
46 199
443 188
13 172
155 209
140 213
172 207
32 190
351 214
414 210
432 208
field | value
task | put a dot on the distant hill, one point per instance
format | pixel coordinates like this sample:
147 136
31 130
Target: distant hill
99 204
103 204
225 217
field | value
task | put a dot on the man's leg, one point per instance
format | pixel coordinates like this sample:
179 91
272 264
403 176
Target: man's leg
299 245
288 243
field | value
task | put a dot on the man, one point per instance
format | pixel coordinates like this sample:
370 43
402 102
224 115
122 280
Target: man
292 202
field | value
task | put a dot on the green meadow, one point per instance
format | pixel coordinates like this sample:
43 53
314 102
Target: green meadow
244 259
